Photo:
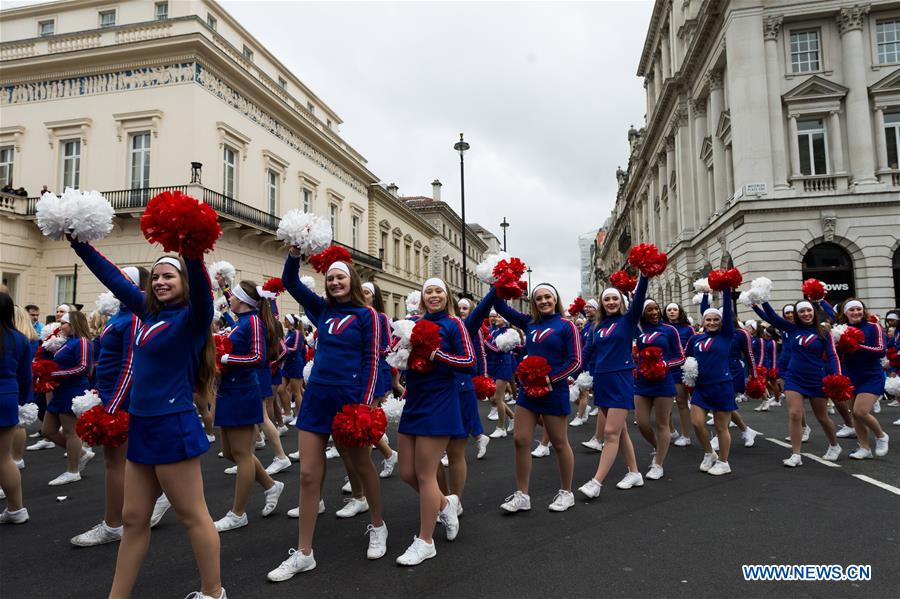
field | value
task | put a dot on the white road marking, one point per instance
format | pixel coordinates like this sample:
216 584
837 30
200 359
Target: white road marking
777 442
878 483
816 458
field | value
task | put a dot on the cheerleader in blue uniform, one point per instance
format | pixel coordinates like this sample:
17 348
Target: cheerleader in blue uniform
431 416
113 380
385 384
174 355
345 371
863 367
612 365
677 317
295 342
555 339
500 365
15 390
74 362
657 396
813 356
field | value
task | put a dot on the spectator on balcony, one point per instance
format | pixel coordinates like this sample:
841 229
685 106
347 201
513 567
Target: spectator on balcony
44 190
8 188
21 192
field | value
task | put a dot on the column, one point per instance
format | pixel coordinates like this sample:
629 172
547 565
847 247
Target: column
687 194
795 151
880 140
837 145
772 27
672 212
716 106
698 111
666 55
663 224
729 173
657 79
859 124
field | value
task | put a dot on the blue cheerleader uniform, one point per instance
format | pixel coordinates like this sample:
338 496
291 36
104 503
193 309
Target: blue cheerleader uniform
609 357
276 367
74 362
468 399
385 379
863 366
345 370
163 426
713 389
296 355
15 377
665 337
115 362
500 364
685 332
237 403
741 347
559 342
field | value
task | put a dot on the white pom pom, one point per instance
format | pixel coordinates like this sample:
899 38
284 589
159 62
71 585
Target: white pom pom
412 302
585 381
745 298
28 414
508 340
107 304
698 297
309 282
49 330
403 329
52 215
398 358
224 268
310 340
702 286
393 408
91 217
837 331
307 370
690 370
54 343
310 233
761 290
485 270
574 393
892 386
885 363
84 402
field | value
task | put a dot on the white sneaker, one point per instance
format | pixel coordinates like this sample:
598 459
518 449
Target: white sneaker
720 468
894 403
594 411
793 461
577 421
656 472
510 424
683 441
509 399
806 433
449 517
833 453
295 512
231 470
377 541
294 564
211 438
99 535
881 445
65 478
352 507
417 553
347 488
483 441
41 444
19 516
591 489
294 457
20 464
517 502
593 443
876 407
763 407
230 521
493 415
201 595
710 421
282 430
159 509
388 465
260 444
541 451
86 457
563 501
714 443
708 460
749 437
331 453
846 432
220 455
272 494
498 433
278 465
632 479
861 454
896 422
445 461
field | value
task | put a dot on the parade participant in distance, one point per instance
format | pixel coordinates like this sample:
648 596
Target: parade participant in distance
677 317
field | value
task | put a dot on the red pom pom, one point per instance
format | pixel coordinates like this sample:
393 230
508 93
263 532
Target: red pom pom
507 275
485 386
424 339
893 358
837 387
622 281
651 365
756 386
851 340
223 346
648 259
358 425
97 427
310 354
721 279
41 369
274 285
180 224
813 289
577 306
773 373
532 373
333 253
873 319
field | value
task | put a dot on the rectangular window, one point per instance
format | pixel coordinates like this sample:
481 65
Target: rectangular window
406 261
397 253
811 143
384 247
888 38
328 123
7 158
229 180
248 53
65 285
211 21
282 83
354 231
71 163
892 139
46 27
107 18
805 51
332 214
11 279
311 108
418 262
162 11
307 200
140 160
272 189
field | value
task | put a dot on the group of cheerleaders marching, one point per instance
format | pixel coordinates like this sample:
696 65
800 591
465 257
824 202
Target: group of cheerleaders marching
157 359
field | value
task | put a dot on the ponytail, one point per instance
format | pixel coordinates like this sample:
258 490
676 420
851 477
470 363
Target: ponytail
206 373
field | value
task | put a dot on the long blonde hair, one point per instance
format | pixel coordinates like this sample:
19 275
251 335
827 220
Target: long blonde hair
96 322
22 322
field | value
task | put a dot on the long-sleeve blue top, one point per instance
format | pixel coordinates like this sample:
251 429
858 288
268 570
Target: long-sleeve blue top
454 357
15 367
764 352
666 338
609 348
472 323
866 361
73 362
115 362
813 356
741 346
168 343
685 332
711 349
296 349
248 352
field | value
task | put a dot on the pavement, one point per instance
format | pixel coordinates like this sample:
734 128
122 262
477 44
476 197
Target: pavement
686 535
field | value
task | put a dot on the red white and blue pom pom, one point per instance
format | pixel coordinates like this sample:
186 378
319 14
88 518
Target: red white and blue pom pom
623 281
647 258
532 373
838 387
308 232
485 269
424 340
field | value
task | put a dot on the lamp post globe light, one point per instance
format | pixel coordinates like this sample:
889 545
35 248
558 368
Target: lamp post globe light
461 146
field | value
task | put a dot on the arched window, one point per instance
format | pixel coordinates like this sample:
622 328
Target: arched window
896 263
831 264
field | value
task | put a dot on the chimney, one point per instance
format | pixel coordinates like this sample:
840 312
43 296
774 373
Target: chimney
393 189
436 190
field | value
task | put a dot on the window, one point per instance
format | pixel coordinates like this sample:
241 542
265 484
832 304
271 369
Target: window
406 253
307 200
805 51
46 27
71 163
418 262
7 157
272 189
162 11
311 108
248 53
65 285
384 246
891 136
332 214
282 83
354 231
397 253
329 123
229 182
107 18
211 21
140 160
811 143
10 279
888 39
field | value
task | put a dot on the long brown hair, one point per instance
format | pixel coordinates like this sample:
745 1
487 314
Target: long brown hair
535 313
79 324
356 293
842 316
267 317
377 300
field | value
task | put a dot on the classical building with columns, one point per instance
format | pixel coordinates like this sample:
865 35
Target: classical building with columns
771 143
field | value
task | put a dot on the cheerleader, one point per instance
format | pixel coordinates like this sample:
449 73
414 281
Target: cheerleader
385 384
74 364
677 317
15 390
345 372
238 409
113 384
272 414
863 367
500 365
656 395
293 364
612 366
582 412
556 340
809 344
23 324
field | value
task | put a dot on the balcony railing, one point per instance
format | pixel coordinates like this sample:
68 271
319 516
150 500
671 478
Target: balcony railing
361 257
816 183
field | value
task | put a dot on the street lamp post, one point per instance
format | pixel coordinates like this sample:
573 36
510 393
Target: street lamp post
529 271
461 146
504 225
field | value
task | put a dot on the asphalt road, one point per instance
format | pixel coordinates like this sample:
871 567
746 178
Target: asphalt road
684 536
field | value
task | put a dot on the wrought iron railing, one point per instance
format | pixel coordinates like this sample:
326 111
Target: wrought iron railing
224 204
361 257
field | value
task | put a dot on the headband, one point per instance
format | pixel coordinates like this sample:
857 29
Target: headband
133 274
787 309
341 266
892 316
263 293
611 291
290 318
62 308
370 286
710 311
64 317
493 312
464 300
647 302
546 286
751 324
852 304
803 304
242 295
593 304
672 305
434 282
170 261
